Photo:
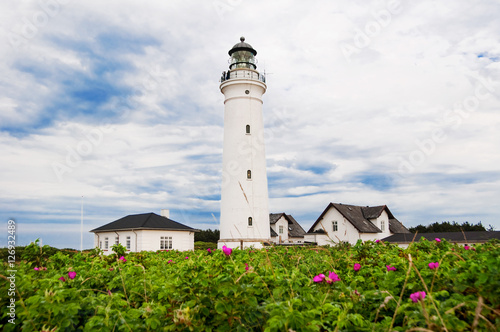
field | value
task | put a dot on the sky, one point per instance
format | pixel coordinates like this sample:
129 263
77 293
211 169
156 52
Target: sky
116 106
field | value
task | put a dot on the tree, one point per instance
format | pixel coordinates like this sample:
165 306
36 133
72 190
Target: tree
446 226
207 235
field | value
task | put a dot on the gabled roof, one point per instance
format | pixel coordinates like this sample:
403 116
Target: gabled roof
373 212
273 233
395 226
354 214
274 217
294 228
143 221
465 237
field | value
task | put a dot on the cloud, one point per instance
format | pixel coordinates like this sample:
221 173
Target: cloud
120 102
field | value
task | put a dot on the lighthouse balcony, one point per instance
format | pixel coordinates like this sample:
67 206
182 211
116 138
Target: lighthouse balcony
243 73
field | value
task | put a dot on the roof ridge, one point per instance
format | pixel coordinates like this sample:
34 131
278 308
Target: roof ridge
150 214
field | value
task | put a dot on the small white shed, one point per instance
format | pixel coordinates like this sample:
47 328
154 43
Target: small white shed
144 232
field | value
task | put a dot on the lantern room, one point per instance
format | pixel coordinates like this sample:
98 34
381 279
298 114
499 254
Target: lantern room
242 56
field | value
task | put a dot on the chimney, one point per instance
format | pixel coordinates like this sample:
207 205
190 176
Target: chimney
165 213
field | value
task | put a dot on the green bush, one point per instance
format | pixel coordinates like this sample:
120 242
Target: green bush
200 245
271 289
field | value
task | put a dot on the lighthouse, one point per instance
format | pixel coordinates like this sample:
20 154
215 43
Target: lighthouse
244 215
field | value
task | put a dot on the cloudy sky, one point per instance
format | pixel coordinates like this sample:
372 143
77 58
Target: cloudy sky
368 103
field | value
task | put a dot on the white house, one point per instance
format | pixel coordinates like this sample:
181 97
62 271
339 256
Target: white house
285 229
350 223
145 232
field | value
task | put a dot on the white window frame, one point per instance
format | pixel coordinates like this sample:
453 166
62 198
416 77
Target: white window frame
106 243
335 226
128 242
280 229
165 242
382 225
117 240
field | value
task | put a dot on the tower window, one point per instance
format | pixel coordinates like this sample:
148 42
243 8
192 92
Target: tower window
248 129
250 221
249 174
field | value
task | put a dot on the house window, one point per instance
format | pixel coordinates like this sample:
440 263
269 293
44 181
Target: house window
335 225
165 242
117 240
100 244
281 230
249 174
382 225
248 129
250 221
106 243
128 242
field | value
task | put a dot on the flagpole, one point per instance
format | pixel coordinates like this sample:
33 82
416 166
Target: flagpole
81 228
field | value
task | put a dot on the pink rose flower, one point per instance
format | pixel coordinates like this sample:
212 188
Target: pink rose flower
418 296
433 265
72 274
227 251
319 278
357 266
332 277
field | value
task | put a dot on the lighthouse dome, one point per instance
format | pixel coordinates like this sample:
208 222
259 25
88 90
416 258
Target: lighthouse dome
242 46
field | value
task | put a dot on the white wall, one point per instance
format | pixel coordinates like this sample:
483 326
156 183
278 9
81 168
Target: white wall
276 226
149 240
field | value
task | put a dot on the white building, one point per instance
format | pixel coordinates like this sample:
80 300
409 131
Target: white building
244 216
350 223
144 232
285 229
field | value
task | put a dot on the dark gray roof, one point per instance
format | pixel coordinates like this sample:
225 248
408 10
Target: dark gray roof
294 228
448 236
372 212
143 221
273 233
274 217
242 46
395 226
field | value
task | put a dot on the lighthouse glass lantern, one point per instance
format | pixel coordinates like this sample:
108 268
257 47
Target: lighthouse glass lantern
242 56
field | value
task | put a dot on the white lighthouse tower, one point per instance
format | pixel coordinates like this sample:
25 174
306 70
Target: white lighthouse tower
244 216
